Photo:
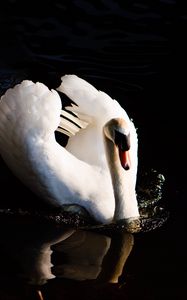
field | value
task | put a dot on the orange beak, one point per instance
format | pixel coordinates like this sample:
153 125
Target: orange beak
125 159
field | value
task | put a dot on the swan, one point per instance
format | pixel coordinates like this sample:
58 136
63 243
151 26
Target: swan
96 170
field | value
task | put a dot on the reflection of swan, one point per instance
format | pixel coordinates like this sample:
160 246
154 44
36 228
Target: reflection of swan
84 252
98 167
37 252
87 255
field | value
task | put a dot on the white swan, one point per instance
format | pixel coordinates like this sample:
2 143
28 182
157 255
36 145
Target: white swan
98 167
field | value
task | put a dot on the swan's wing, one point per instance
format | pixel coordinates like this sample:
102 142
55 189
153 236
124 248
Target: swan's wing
29 115
92 105
34 109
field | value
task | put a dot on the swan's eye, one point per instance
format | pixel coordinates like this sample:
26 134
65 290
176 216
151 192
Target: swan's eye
122 141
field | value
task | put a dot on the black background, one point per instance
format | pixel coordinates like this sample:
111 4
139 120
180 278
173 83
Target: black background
135 52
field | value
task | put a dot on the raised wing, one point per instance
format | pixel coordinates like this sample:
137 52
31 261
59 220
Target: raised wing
92 105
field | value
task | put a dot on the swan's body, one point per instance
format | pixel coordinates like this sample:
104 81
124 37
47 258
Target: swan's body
87 171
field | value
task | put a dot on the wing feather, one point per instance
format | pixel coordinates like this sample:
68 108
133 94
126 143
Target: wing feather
69 124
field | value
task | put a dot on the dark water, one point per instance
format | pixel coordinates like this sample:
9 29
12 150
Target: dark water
133 52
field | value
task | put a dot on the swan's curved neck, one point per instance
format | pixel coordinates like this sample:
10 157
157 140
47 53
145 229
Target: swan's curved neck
114 167
126 206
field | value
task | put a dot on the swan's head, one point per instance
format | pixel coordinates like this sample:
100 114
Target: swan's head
118 132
